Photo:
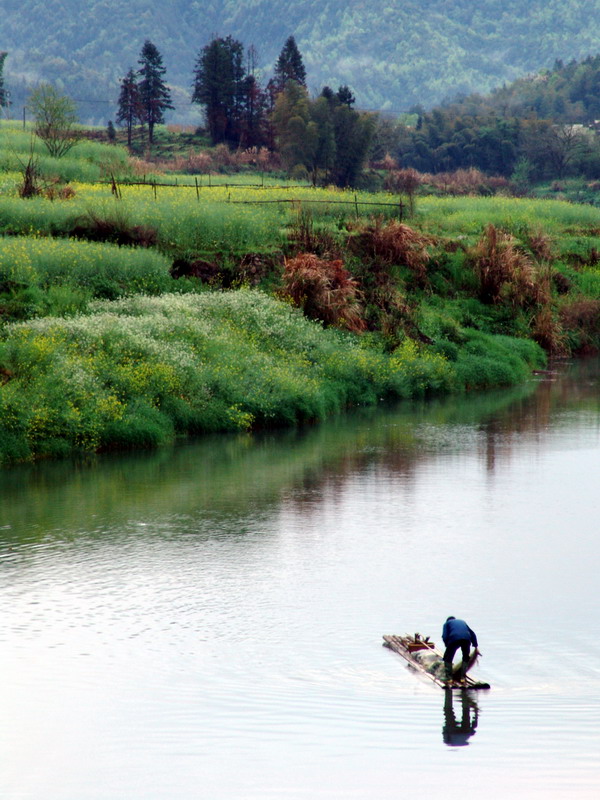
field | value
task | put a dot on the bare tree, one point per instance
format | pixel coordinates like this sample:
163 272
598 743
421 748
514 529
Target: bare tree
557 147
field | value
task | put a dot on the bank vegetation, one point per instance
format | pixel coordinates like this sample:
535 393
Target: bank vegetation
135 314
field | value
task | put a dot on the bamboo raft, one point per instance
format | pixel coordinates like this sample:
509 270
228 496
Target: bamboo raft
423 656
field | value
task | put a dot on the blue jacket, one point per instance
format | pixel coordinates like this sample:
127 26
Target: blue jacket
456 630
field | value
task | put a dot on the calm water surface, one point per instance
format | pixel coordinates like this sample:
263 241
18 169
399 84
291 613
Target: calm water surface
206 621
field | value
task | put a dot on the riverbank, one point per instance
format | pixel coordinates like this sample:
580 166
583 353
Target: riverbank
133 314
140 371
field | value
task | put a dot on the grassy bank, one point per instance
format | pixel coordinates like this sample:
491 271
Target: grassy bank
130 315
137 372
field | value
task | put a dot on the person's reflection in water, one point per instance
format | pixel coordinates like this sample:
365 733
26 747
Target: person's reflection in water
457 733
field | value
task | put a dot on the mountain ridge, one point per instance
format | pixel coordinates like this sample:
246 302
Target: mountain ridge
393 54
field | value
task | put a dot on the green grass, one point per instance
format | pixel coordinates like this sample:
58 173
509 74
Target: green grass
103 270
139 371
217 220
87 161
468 216
143 365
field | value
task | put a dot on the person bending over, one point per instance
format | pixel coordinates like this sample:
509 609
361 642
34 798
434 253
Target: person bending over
457 635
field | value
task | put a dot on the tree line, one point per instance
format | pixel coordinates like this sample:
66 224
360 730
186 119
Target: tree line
538 127
325 137
531 149
543 126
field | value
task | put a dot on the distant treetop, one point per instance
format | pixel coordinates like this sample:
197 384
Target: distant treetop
3 94
289 66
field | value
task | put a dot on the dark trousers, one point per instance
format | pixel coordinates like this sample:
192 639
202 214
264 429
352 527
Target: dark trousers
465 647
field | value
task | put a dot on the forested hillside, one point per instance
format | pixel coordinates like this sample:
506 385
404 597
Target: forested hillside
568 93
393 54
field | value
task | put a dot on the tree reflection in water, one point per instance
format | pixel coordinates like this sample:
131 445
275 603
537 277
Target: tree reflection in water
457 732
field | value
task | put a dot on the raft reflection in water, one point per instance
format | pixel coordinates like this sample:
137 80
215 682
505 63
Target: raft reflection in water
457 733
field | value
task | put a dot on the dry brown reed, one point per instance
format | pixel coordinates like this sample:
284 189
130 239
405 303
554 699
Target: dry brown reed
223 156
31 176
203 162
582 318
260 157
387 163
304 238
175 128
397 243
540 245
547 331
465 182
324 290
140 166
54 192
505 272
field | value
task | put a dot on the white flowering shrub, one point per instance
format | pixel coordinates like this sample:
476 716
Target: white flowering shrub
141 370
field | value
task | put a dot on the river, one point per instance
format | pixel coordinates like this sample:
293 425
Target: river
205 621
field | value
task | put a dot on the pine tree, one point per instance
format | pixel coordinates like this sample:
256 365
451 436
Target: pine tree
155 97
289 66
3 92
253 123
345 96
220 85
130 108
353 134
321 114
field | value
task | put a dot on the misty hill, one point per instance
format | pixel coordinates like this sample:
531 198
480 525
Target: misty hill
393 53
568 93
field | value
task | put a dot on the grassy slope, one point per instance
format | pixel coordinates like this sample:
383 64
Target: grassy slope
133 371
136 372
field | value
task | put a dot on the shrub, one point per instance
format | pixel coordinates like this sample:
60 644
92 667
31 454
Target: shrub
396 243
324 290
504 271
580 320
404 181
548 332
421 372
465 182
486 361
